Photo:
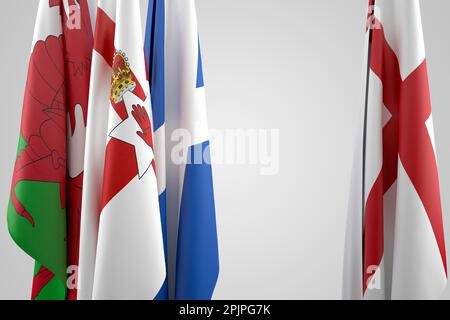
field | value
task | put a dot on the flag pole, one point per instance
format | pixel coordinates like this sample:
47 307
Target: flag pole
366 108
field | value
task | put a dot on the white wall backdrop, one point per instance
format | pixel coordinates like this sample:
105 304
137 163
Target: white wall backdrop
292 65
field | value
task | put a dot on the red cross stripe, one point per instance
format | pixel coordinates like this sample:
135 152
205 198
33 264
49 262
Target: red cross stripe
121 161
105 29
416 149
405 136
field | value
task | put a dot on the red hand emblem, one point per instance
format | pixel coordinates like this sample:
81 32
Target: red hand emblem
141 116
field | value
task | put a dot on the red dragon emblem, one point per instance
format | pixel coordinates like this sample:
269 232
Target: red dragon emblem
58 83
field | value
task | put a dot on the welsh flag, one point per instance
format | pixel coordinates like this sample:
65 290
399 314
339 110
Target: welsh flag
45 206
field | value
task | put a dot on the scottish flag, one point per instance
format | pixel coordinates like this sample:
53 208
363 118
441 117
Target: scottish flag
182 153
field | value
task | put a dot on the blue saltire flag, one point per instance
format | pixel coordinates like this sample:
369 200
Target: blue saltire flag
185 185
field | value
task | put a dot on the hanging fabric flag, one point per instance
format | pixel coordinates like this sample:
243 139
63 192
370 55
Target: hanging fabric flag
154 53
44 211
185 180
121 248
197 257
395 239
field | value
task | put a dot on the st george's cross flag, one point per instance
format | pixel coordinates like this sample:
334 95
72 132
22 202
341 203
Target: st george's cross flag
395 246
45 200
184 173
121 245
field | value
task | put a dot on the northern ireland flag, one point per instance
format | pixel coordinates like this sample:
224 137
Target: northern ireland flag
45 206
185 182
395 246
121 250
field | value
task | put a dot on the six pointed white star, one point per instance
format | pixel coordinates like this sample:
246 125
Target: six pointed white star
126 131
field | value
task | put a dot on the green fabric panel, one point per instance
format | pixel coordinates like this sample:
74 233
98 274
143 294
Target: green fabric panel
45 241
53 290
22 145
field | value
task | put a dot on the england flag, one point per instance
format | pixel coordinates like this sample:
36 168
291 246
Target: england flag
395 246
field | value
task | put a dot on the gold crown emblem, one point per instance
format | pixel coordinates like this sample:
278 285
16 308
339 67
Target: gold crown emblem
122 78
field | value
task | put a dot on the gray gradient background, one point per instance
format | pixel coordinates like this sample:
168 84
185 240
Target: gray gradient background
293 65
